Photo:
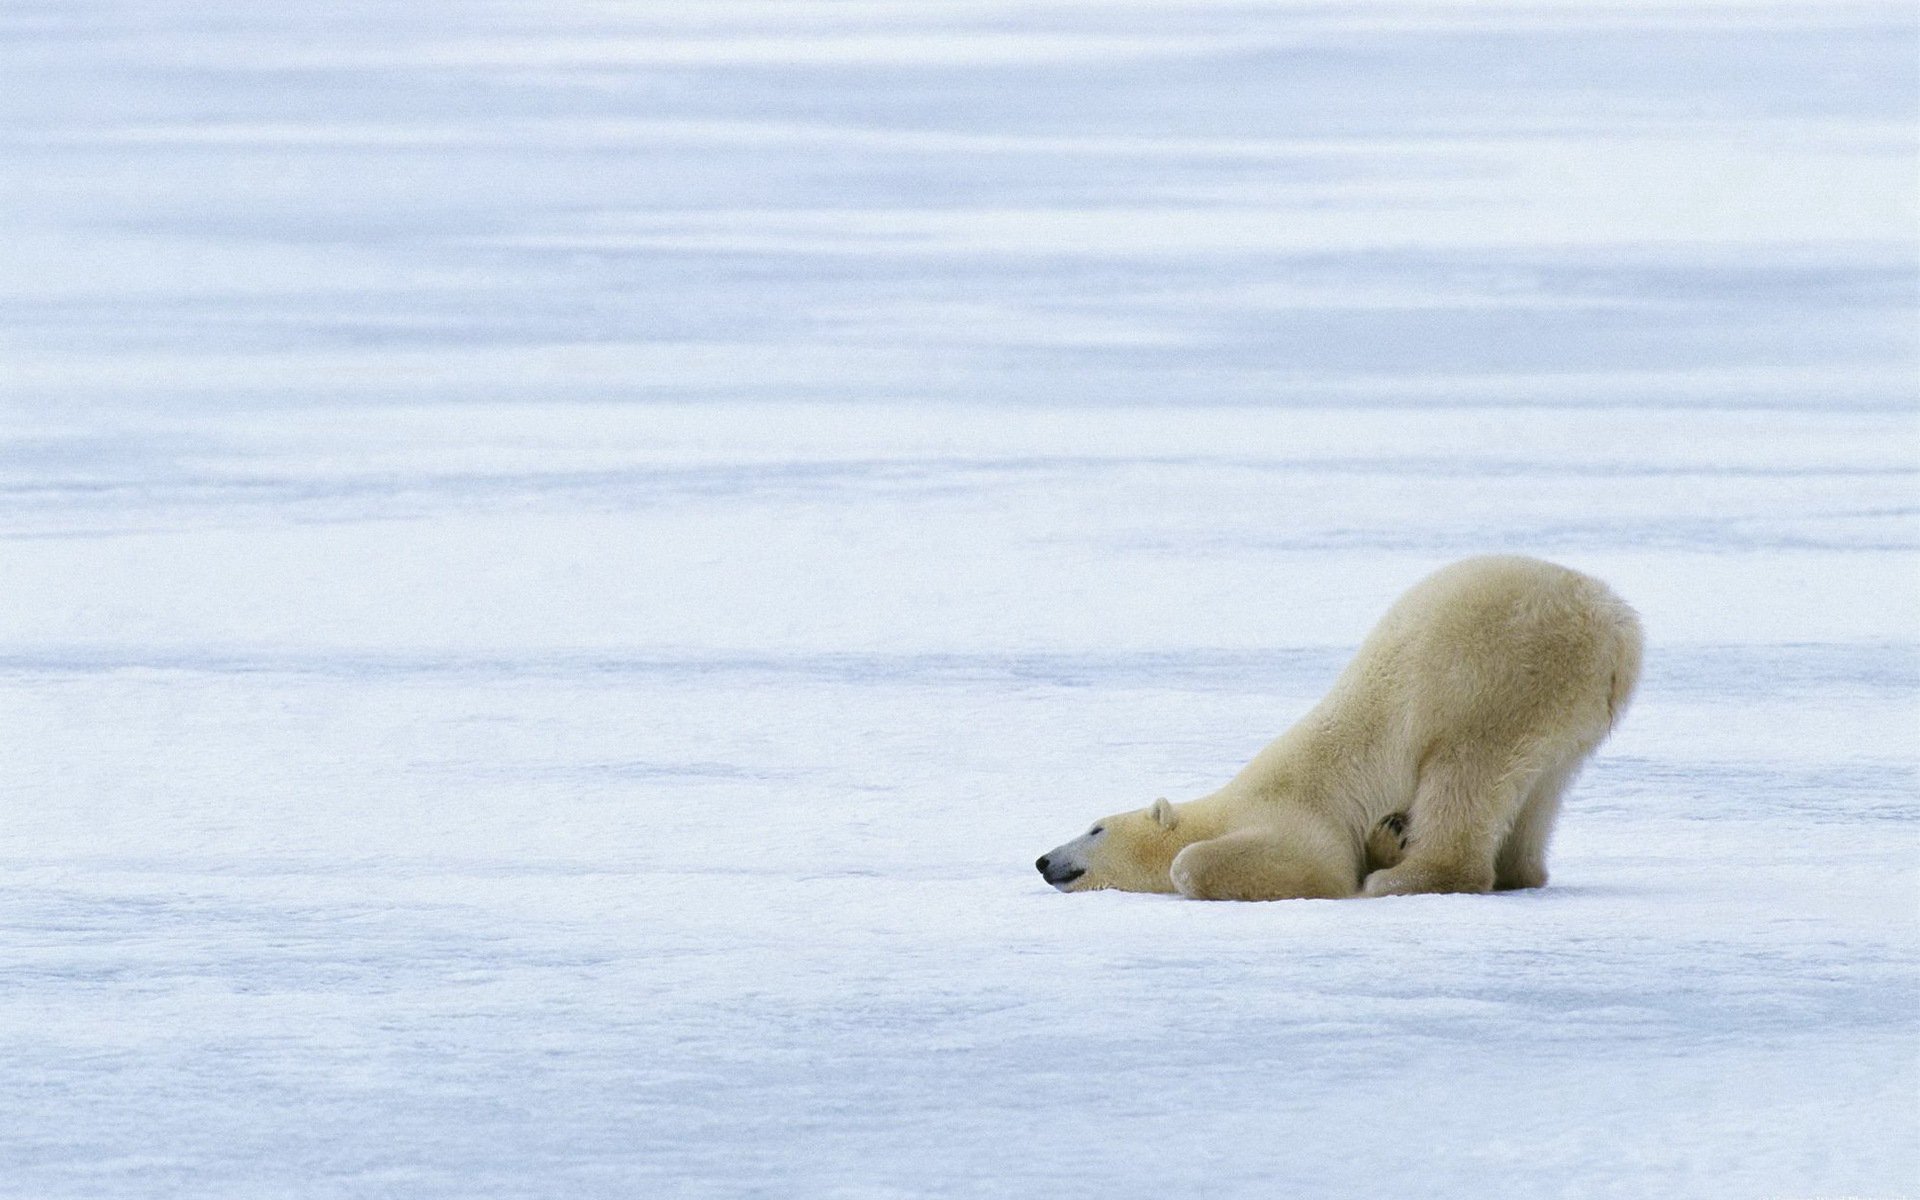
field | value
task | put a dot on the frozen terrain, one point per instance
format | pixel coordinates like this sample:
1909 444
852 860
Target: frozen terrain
560 561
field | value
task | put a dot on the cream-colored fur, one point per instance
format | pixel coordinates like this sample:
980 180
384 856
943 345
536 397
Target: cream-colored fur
1470 708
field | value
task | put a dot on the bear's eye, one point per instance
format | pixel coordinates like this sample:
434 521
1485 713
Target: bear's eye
1096 829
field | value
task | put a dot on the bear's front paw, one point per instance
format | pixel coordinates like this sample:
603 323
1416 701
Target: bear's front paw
1387 843
1185 876
1205 871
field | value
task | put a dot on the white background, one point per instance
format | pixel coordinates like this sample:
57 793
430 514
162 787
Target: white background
559 562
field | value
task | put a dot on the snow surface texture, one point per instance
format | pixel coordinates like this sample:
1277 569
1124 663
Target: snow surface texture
561 561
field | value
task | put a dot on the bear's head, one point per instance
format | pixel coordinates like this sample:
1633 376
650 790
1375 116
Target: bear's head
1132 851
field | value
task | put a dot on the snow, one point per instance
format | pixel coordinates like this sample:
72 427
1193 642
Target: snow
561 561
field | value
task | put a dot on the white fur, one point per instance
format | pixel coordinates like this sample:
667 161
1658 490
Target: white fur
1471 707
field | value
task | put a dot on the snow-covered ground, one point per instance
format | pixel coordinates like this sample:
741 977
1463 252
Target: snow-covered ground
560 561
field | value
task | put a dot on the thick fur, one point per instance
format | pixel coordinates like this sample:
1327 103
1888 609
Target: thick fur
1467 713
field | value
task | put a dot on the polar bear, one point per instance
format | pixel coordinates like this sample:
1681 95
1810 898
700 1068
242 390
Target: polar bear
1450 736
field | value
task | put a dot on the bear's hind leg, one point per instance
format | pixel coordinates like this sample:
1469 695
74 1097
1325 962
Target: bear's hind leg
1263 864
1462 808
1522 862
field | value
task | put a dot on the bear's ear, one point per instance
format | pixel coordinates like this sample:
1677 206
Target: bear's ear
1163 813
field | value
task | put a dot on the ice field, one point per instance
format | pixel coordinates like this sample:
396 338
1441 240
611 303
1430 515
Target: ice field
559 562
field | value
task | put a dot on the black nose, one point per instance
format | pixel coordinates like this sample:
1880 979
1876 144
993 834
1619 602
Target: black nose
1041 865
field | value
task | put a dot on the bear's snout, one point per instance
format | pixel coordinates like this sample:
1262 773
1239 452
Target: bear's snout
1057 876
